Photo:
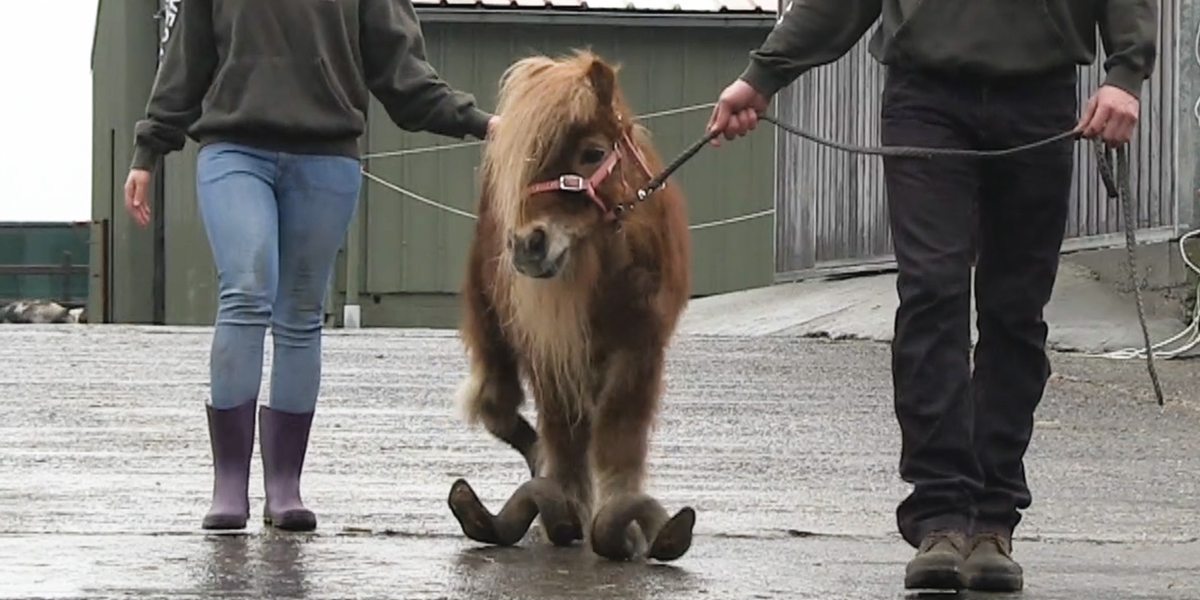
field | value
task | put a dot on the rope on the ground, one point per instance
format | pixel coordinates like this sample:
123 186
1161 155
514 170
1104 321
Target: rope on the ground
1185 340
1189 338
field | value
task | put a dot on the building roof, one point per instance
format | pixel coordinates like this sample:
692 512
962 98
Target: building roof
658 6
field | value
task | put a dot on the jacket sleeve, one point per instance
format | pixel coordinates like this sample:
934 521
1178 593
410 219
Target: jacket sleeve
183 78
398 74
1129 32
809 34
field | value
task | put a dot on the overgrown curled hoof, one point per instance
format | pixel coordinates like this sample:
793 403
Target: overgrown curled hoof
509 526
675 537
563 532
475 520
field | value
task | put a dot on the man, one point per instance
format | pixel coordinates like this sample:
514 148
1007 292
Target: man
985 74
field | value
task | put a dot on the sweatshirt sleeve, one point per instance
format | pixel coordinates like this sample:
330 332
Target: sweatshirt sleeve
811 33
398 74
1129 32
183 78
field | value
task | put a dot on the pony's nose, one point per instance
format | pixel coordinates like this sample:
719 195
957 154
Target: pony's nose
531 253
535 243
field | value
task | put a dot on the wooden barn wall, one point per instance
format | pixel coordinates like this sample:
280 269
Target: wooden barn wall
413 255
831 213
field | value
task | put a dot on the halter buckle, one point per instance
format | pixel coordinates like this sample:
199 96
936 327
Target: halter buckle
572 183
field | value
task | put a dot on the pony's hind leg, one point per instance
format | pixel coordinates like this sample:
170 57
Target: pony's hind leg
622 434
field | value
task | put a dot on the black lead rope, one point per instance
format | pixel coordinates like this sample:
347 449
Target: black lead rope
1119 187
1117 184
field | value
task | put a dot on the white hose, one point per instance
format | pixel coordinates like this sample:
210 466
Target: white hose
1190 336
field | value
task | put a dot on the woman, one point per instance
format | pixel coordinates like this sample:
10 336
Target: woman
275 92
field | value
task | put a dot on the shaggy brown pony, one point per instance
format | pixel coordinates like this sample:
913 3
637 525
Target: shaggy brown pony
580 303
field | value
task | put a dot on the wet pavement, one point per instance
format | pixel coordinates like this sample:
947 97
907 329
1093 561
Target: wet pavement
786 448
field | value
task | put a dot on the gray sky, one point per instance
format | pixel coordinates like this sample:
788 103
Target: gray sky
46 157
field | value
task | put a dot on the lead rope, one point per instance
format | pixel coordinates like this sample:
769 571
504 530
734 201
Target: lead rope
1117 186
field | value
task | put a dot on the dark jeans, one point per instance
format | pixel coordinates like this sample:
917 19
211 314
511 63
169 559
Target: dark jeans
964 434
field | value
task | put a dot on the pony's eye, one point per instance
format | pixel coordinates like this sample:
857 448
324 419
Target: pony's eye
592 155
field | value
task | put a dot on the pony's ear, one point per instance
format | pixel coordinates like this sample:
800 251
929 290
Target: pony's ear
604 81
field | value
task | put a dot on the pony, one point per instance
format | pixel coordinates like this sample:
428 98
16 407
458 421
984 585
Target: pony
573 291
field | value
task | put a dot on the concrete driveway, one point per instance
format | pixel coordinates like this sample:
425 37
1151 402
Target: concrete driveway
786 447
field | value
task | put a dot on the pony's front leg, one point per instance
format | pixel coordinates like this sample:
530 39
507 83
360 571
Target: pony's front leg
559 495
536 496
564 440
491 394
628 406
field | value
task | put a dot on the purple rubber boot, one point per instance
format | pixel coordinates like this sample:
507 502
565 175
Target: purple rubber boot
231 432
284 441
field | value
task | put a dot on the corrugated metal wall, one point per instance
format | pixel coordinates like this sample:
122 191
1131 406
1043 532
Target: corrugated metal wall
832 215
1187 84
416 251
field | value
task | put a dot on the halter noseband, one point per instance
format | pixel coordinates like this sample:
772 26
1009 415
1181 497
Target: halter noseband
575 183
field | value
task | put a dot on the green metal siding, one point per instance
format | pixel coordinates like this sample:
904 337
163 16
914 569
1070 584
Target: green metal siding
191 278
123 68
412 255
415 248
46 244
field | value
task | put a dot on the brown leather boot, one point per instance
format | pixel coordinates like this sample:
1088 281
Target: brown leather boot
938 563
989 566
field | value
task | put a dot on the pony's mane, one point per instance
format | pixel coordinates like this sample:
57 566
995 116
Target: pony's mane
541 99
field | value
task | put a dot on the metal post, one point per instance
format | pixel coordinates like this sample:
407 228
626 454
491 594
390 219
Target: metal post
66 276
352 312
105 271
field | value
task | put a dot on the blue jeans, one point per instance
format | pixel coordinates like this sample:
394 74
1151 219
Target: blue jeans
275 222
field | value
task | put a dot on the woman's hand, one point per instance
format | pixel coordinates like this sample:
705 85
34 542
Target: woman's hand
136 186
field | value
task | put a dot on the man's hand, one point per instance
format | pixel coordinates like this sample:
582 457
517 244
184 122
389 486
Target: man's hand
736 111
492 123
136 187
1111 113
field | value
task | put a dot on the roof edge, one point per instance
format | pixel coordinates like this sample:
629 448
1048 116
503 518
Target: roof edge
649 7
96 34
443 13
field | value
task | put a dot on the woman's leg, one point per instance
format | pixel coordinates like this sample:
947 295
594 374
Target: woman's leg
236 197
317 198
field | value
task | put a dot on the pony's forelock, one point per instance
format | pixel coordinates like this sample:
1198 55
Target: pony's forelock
541 99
